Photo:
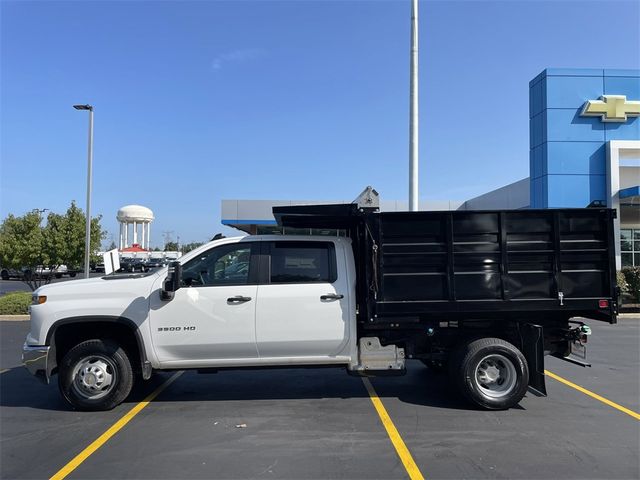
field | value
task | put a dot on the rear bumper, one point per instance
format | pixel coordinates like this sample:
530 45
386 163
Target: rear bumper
36 360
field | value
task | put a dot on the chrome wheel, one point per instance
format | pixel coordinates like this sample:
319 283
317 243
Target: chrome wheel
495 376
94 377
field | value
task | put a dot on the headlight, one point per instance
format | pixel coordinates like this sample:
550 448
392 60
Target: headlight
38 299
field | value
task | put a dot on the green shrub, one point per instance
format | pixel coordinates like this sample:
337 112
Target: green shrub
632 277
15 303
622 282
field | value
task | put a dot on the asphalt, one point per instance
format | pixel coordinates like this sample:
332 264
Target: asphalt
320 423
13 285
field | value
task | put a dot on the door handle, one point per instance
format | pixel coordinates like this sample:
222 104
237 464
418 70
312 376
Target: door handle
238 299
331 296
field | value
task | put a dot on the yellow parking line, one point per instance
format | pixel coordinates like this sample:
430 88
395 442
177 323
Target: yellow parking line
401 449
606 401
115 428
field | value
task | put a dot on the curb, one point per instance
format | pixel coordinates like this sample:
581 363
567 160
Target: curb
14 318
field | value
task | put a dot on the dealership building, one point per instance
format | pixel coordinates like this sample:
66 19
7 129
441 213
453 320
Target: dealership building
584 151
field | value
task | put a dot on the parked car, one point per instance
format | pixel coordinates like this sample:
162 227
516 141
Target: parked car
97 267
45 271
153 263
131 265
8 273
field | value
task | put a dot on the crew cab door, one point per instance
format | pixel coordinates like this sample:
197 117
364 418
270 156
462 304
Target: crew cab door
212 315
303 300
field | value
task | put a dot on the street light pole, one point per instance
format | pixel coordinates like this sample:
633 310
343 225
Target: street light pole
413 111
87 240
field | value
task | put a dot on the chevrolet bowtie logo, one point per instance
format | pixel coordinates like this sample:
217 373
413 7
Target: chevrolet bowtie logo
612 108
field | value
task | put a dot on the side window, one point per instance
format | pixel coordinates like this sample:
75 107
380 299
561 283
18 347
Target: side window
303 262
224 265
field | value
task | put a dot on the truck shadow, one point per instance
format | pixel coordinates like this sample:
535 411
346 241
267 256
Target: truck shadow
18 388
419 386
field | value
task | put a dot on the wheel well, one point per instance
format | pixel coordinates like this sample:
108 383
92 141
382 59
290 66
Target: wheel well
446 340
68 335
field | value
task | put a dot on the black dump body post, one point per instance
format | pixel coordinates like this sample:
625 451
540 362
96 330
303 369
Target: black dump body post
614 291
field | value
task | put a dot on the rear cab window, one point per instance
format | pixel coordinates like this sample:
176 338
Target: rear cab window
302 262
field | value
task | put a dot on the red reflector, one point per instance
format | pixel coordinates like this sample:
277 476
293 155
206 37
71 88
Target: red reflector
603 303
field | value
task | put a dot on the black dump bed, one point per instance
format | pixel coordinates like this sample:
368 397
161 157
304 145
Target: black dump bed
521 264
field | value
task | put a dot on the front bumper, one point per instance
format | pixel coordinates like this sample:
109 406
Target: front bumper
36 360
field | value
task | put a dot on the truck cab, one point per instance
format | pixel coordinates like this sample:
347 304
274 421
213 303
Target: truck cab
266 300
238 302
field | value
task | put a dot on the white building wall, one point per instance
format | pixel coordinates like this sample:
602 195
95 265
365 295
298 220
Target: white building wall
513 196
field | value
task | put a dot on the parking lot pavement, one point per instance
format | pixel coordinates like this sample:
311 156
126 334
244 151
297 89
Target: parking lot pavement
320 423
7 286
567 435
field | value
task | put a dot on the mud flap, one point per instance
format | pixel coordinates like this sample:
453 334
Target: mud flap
533 350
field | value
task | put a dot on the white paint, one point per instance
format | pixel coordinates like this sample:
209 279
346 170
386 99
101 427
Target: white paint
225 334
223 330
292 320
617 149
111 261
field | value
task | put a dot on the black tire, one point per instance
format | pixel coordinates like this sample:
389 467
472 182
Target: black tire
72 274
105 357
4 275
491 373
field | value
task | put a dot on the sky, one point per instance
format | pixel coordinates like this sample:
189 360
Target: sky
199 101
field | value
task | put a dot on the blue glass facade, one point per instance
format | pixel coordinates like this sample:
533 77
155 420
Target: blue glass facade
567 151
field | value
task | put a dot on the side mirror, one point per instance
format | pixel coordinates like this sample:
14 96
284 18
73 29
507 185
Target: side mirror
172 282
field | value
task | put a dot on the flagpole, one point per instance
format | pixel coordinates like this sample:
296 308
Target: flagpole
413 111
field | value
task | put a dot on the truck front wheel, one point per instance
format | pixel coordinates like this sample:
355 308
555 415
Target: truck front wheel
491 372
95 375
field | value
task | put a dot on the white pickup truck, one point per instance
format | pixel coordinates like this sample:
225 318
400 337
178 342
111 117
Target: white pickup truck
486 294
250 301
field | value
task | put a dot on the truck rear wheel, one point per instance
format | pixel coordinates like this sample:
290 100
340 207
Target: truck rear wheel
95 375
491 372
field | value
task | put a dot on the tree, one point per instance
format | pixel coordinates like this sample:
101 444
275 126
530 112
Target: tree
22 242
38 251
65 237
171 247
187 247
